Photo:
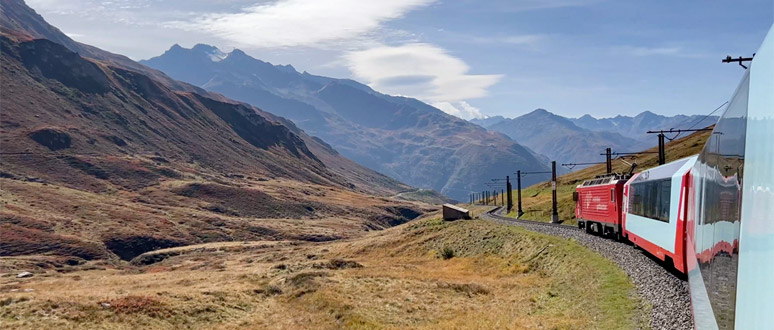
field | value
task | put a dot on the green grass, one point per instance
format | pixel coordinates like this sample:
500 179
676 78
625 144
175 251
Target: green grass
582 281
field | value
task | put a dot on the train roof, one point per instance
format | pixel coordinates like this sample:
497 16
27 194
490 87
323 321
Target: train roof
605 179
666 171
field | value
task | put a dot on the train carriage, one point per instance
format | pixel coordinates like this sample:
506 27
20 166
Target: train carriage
730 224
598 205
655 210
711 215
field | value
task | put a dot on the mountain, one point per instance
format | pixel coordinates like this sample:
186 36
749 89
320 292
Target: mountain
101 161
560 139
635 127
488 121
18 18
401 137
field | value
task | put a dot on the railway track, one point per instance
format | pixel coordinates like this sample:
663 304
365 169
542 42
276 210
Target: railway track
497 213
666 293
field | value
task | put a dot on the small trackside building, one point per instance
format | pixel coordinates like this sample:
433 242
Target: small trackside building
598 205
453 212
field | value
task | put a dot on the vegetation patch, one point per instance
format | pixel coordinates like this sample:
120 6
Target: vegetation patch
446 253
338 264
128 246
16 240
51 138
467 288
137 305
245 201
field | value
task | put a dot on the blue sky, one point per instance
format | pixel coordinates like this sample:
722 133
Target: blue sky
467 57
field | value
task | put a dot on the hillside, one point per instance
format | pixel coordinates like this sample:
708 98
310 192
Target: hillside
401 137
536 201
559 139
105 163
428 274
23 22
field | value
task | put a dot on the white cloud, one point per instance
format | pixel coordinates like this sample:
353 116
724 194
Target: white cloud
288 23
460 109
418 70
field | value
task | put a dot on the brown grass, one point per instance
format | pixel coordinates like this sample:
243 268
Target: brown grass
41 218
390 279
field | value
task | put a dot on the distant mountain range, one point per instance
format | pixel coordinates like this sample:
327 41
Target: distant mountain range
576 140
401 137
635 127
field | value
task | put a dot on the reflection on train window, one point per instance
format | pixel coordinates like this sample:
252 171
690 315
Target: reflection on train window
650 199
718 180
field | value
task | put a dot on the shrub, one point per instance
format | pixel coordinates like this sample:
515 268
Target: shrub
447 253
138 305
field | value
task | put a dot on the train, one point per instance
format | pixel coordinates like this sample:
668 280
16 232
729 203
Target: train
708 216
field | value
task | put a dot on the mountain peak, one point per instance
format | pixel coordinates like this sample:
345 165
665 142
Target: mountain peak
238 52
287 68
587 117
539 112
204 48
647 113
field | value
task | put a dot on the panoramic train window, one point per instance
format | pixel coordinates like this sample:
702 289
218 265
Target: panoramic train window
650 199
719 176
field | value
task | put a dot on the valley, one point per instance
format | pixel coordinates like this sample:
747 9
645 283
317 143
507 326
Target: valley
201 188
425 274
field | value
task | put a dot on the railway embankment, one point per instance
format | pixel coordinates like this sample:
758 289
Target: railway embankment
665 292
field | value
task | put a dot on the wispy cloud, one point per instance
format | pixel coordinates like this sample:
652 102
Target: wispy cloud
460 109
419 70
289 23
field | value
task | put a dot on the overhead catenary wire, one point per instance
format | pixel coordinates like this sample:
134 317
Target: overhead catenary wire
695 122
707 116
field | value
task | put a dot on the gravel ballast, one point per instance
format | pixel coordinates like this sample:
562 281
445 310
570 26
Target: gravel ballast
668 294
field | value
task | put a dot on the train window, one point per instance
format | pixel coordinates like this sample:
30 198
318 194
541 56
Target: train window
718 184
612 195
651 199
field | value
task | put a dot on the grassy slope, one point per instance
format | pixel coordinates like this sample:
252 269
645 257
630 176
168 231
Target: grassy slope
500 277
537 198
52 222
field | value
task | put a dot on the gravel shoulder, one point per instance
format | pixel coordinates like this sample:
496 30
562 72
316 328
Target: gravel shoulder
666 293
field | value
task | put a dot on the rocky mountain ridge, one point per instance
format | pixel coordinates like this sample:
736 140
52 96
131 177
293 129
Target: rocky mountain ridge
400 137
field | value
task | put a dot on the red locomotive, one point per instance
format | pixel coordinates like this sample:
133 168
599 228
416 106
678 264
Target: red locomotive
598 205
709 216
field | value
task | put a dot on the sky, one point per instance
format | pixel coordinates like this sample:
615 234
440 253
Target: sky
469 58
